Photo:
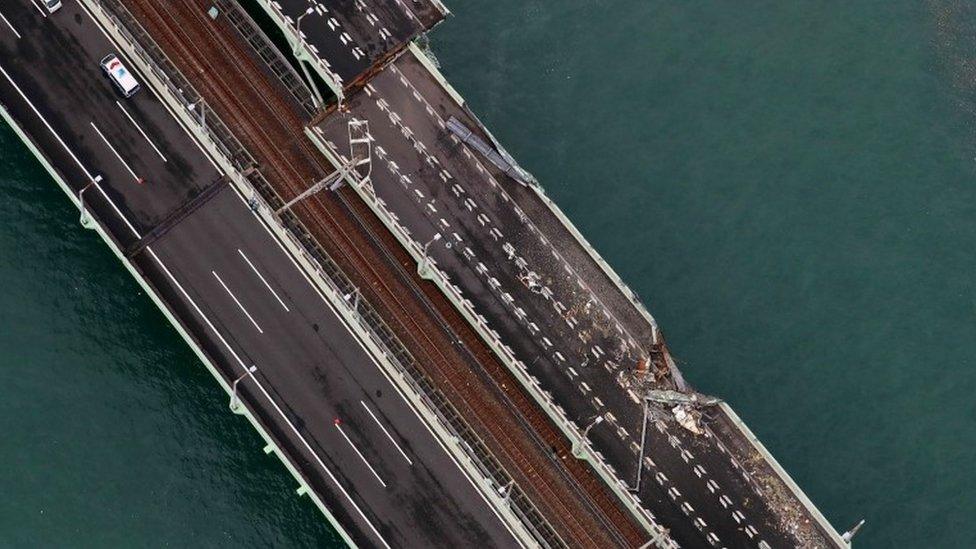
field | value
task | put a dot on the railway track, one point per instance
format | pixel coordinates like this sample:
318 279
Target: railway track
538 457
590 487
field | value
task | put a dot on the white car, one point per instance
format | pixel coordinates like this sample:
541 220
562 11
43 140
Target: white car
52 5
119 75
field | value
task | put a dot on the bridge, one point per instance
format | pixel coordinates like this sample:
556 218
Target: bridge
412 326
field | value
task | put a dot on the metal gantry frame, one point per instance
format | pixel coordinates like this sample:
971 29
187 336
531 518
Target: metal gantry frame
360 152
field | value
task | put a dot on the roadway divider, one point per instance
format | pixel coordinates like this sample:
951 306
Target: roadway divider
235 162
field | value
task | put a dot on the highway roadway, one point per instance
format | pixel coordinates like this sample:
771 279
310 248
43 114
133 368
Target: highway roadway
557 325
352 36
356 441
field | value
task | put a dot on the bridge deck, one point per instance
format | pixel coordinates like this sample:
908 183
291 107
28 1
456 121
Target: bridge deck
351 36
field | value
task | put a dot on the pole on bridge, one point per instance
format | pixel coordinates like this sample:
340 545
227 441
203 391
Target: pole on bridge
640 455
506 491
86 220
849 535
423 268
234 401
579 444
327 181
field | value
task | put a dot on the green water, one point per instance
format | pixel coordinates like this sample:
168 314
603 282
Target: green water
789 186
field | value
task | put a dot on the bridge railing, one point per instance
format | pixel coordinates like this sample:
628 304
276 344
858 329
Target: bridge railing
268 53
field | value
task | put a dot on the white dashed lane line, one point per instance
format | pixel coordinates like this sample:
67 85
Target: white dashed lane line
480 168
237 301
387 433
116 153
4 17
138 127
338 426
408 11
40 8
263 280
483 219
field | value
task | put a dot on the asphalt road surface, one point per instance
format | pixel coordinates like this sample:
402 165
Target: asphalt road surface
344 426
351 36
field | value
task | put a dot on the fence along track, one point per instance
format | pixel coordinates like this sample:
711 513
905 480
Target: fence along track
266 144
273 60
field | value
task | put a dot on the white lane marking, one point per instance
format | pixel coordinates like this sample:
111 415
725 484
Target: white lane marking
9 25
358 453
480 166
138 127
69 151
477 484
234 297
117 155
266 285
265 393
387 433
40 9
117 210
408 11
